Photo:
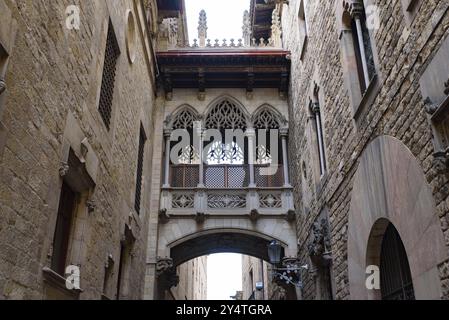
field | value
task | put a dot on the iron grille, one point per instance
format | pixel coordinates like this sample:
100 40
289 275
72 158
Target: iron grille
142 140
226 176
396 280
107 85
263 180
185 176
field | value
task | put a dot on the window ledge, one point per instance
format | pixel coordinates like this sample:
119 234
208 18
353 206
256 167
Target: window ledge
368 97
59 282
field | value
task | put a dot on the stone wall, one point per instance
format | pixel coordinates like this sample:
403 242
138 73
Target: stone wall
192 280
53 87
404 48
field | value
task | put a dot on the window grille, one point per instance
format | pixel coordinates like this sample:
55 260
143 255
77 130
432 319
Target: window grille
142 140
112 53
396 279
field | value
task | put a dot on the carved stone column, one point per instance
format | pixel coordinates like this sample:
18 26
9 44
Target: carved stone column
167 136
284 135
356 10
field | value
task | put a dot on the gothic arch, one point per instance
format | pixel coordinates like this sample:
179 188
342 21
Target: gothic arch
390 185
267 117
182 118
228 111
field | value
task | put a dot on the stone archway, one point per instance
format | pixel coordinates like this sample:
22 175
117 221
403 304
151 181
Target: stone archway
390 185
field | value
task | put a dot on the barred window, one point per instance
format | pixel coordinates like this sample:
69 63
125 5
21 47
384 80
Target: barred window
112 53
142 141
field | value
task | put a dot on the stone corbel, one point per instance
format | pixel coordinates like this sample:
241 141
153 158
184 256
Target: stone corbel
164 217
63 169
200 217
441 161
290 216
430 107
254 215
91 206
319 246
166 273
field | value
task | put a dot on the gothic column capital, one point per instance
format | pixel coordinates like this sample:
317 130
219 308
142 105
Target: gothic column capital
284 132
167 133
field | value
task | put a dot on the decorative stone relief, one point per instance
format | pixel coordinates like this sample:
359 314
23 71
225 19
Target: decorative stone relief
91 205
163 216
246 29
446 86
64 169
319 246
441 161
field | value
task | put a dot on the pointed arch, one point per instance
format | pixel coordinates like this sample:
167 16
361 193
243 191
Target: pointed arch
267 117
182 118
226 112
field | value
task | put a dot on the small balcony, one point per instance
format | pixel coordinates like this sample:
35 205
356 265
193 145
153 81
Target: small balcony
226 190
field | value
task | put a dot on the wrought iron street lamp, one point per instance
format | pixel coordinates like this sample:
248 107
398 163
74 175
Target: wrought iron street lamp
288 270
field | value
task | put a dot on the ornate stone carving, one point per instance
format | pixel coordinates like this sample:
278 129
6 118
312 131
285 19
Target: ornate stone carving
246 29
254 215
166 273
163 216
276 29
2 85
163 265
441 161
202 28
91 205
200 217
354 8
446 86
291 216
430 107
64 169
320 244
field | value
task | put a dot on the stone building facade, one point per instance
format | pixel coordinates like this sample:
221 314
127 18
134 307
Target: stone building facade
77 114
91 92
367 91
192 281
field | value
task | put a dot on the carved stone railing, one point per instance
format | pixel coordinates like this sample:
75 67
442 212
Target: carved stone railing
226 190
169 31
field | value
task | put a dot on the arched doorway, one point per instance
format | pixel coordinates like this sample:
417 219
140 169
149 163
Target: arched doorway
391 188
395 275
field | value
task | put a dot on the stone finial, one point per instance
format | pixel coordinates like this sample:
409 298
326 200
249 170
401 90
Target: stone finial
276 29
246 29
2 85
202 28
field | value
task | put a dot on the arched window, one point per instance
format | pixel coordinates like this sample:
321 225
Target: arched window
226 115
266 120
185 120
354 17
396 279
